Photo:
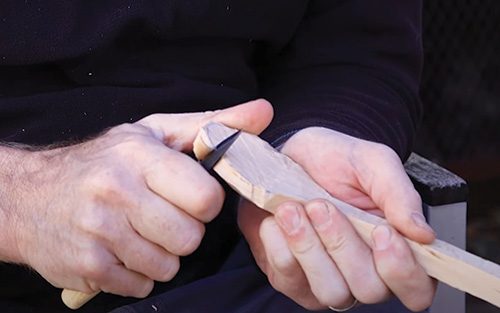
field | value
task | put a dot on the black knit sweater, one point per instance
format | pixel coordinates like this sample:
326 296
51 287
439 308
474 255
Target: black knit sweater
69 69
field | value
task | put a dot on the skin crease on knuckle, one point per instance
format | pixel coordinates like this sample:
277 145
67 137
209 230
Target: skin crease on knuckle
281 267
286 277
94 267
202 197
130 248
209 199
171 270
364 282
414 288
100 270
105 228
188 240
304 244
279 258
169 227
283 263
156 266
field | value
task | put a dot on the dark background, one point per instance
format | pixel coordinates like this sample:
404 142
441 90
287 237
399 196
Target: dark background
461 125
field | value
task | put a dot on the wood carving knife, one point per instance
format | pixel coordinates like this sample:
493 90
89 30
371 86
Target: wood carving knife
208 158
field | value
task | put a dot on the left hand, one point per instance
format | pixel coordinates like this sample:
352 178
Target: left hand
312 253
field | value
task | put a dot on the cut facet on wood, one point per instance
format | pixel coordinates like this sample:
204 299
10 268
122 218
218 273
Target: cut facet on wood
268 178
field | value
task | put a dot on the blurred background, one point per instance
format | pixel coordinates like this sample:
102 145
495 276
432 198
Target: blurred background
461 127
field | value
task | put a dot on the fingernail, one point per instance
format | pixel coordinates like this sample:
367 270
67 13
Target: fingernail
381 237
318 213
419 219
289 218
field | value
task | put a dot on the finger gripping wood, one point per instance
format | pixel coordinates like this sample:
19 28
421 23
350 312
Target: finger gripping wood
268 178
76 299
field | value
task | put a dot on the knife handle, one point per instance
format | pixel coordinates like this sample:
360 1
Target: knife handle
75 299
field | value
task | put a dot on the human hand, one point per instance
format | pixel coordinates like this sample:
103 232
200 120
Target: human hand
116 212
312 253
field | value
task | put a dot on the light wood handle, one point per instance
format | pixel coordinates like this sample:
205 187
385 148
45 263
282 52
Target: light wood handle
268 178
76 299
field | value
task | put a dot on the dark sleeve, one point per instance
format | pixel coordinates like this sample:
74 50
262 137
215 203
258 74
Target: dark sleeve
39 31
353 66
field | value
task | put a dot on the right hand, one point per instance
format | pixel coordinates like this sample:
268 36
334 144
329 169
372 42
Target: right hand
116 212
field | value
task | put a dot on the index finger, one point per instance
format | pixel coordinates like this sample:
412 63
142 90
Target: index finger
181 180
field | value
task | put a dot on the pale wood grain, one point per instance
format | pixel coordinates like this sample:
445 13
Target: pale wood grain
267 178
76 299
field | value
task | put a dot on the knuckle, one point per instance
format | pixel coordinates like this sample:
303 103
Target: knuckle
129 149
128 141
373 295
108 186
94 223
127 129
401 268
282 284
93 266
413 273
285 264
104 181
376 152
383 152
189 240
169 269
418 304
119 129
146 289
209 200
306 246
137 289
414 196
272 276
336 243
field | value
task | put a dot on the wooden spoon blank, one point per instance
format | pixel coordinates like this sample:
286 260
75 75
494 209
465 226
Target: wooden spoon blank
267 178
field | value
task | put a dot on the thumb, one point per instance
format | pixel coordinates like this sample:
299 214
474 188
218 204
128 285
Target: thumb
393 192
178 131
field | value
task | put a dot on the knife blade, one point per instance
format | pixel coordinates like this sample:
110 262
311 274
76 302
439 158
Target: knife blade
214 156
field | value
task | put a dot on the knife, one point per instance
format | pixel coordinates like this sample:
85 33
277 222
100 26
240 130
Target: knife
214 156
75 299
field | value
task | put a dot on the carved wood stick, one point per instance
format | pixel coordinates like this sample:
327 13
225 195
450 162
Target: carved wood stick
267 178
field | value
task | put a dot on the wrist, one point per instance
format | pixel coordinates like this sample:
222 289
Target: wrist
16 170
